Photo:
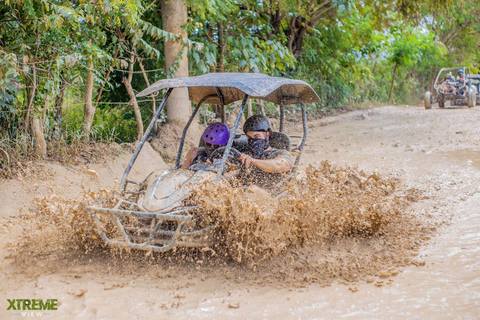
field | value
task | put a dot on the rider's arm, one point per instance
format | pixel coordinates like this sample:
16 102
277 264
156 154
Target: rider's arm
278 165
192 153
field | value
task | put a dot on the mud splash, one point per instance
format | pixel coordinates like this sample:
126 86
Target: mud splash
56 230
332 223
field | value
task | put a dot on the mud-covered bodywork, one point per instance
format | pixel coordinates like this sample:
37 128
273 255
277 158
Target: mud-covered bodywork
166 191
161 214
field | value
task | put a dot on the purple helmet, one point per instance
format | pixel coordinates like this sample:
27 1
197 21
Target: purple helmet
216 134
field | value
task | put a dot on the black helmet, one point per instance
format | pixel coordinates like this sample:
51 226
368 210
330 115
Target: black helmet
257 123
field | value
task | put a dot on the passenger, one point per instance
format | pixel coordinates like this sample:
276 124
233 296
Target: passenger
264 166
216 135
448 83
449 77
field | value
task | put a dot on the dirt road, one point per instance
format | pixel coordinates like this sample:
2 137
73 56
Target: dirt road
435 153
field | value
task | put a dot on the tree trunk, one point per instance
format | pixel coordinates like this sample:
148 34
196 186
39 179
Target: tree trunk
174 15
34 84
249 108
298 26
133 100
31 98
45 107
59 101
99 95
89 111
37 132
262 107
282 117
221 48
393 81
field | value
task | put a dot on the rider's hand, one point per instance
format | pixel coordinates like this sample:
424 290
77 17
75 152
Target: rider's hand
191 154
247 160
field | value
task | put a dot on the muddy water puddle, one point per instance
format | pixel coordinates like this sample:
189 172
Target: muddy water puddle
447 287
467 158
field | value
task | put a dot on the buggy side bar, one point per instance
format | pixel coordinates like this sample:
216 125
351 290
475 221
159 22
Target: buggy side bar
184 133
232 136
123 183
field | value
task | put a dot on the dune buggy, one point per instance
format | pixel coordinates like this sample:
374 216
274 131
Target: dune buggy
473 80
447 88
160 218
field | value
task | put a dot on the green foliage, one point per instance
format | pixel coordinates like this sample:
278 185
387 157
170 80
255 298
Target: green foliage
350 51
235 39
110 124
8 89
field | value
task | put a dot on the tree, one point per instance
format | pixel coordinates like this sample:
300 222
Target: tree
174 16
127 81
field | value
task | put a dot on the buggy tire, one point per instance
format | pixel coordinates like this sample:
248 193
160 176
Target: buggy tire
471 98
441 104
427 100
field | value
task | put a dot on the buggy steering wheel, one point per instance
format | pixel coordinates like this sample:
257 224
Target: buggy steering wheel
212 166
233 151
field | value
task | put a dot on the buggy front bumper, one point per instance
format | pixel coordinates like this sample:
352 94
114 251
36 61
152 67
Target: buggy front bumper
157 232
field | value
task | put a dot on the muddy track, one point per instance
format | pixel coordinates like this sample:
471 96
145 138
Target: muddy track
433 154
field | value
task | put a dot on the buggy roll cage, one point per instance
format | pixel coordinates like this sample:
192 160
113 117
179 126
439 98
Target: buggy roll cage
466 72
223 89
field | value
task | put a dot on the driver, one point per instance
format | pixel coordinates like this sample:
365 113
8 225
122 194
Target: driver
265 166
215 136
461 82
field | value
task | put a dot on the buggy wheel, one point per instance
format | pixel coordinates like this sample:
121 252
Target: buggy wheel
427 100
441 104
471 98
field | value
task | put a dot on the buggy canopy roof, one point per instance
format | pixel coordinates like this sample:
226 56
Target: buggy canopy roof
452 69
225 88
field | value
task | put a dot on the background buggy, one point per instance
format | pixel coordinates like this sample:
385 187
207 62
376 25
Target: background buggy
445 89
